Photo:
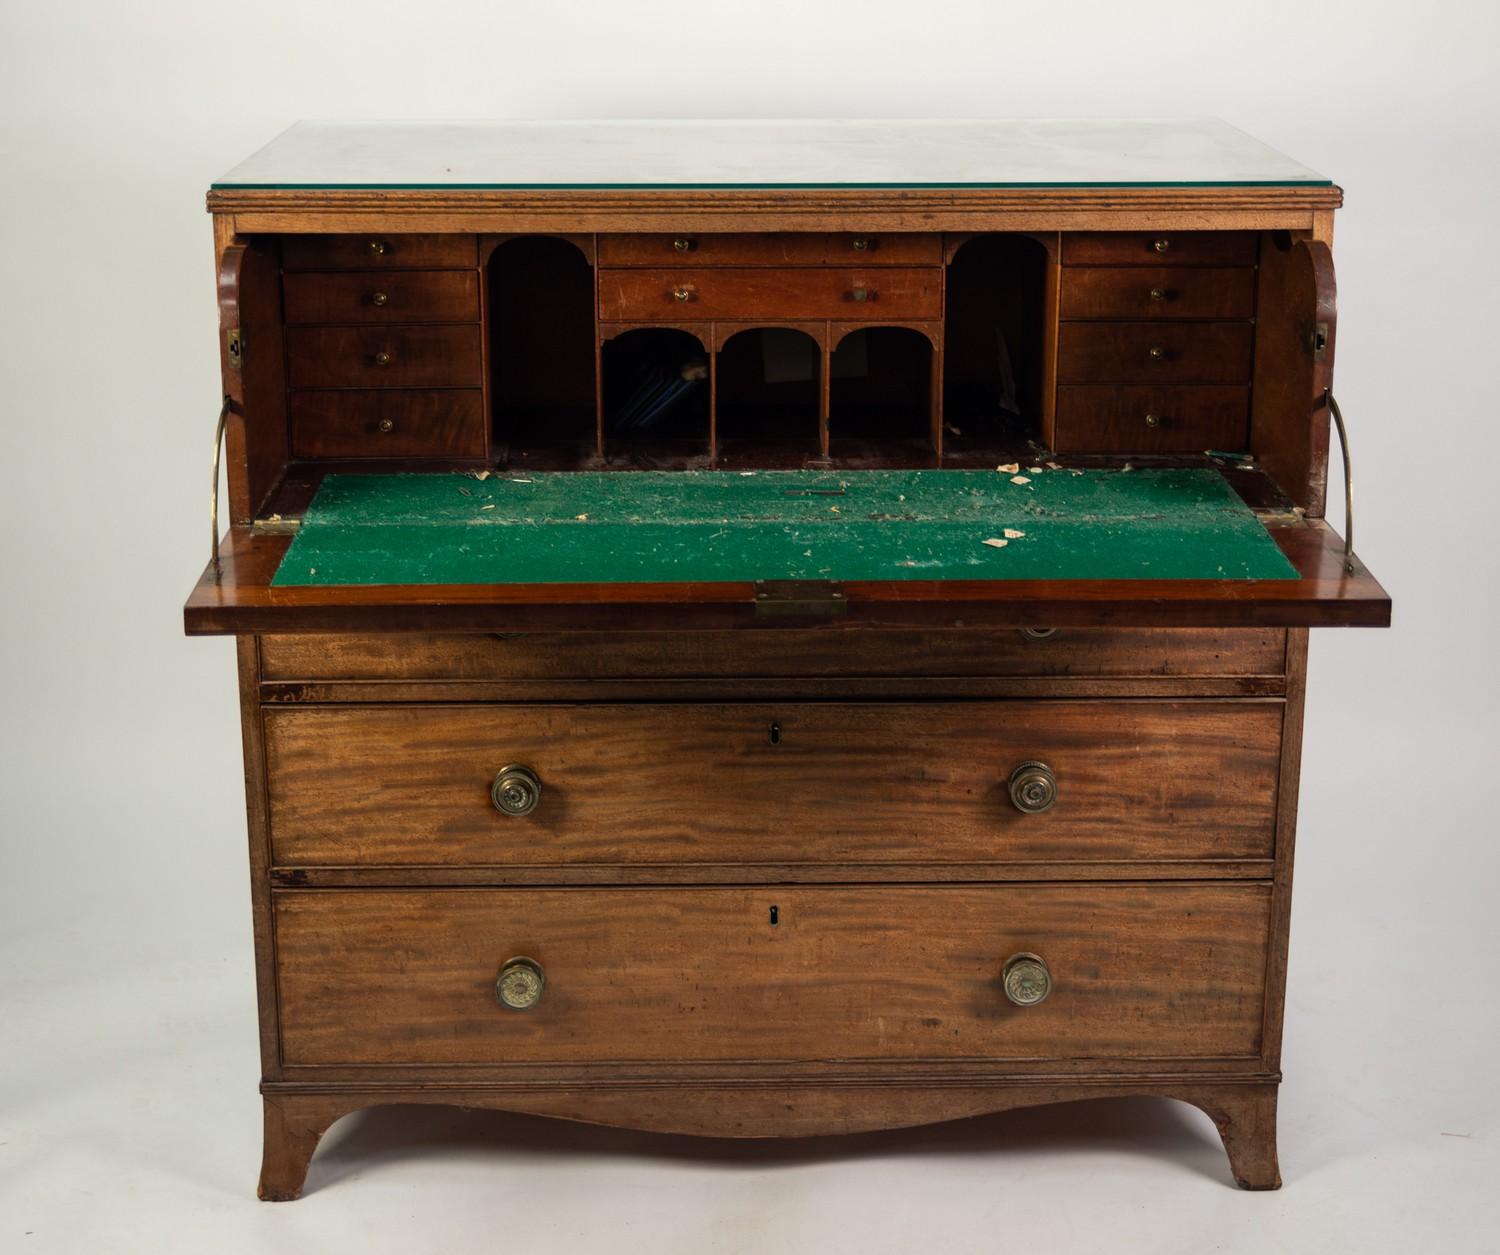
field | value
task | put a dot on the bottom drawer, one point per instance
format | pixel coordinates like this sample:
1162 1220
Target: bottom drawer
370 977
388 423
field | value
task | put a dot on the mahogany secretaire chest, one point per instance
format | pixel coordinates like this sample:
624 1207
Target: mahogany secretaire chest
773 629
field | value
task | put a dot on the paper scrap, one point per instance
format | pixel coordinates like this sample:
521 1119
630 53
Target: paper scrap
1020 479
994 542
1013 533
1008 468
1035 470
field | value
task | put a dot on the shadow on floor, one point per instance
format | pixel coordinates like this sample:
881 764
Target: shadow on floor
1154 1128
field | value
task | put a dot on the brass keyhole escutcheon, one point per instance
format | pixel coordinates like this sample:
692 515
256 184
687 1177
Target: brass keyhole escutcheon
1033 788
516 790
520 984
1026 979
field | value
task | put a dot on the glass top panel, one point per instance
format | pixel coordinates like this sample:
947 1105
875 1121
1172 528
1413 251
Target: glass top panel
759 154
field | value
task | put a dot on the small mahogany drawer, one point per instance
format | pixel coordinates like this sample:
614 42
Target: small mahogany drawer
936 652
387 423
1035 973
378 252
787 249
1161 352
775 783
1154 248
1157 292
810 292
384 357
397 296
1102 419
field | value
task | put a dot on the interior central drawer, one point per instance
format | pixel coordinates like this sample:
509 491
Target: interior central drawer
692 293
384 357
772 783
791 248
373 977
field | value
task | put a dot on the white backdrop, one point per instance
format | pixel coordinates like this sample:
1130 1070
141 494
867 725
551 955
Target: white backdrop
127 1104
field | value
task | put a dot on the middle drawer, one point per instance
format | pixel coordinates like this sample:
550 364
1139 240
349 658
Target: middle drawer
695 293
763 783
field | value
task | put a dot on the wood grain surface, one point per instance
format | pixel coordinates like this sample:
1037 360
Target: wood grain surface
784 782
406 976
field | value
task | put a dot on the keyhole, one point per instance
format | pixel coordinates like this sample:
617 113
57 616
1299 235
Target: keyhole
775 740
775 916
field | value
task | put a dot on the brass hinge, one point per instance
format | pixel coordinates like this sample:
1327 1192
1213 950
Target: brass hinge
800 599
234 344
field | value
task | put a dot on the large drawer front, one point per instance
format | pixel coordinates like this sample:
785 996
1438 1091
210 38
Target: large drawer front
694 294
408 977
1078 652
772 783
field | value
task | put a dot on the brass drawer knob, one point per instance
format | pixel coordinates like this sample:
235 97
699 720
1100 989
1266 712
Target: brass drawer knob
1162 245
1026 979
1157 353
379 298
387 425
682 294
382 358
516 790
1158 294
859 244
682 244
378 248
520 983
1033 788
862 294
1038 634
1153 420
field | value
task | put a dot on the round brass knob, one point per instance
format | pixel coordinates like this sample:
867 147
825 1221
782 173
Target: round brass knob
378 298
387 425
1026 979
1157 352
1158 294
520 983
1038 634
382 358
1161 246
377 248
1153 420
861 294
860 244
682 294
516 790
682 244
1033 788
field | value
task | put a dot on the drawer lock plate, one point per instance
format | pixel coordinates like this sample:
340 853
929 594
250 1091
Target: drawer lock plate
800 599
